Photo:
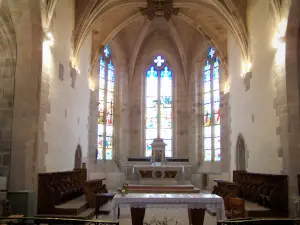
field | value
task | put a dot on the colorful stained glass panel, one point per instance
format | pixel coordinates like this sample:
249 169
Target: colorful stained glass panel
168 153
207 120
207 155
207 98
100 153
216 73
207 109
216 96
166 133
101 83
217 157
151 134
148 145
207 132
216 107
207 76
108 154
100 141
217 131
217 119
168 144
217 143
166 101
207 86
216 84
109 130
207 143
109 143
151 101
151 123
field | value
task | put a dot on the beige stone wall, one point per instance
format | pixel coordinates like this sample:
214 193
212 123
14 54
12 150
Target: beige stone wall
7 78
252 112
65 97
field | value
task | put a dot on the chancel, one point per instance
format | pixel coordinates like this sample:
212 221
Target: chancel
187 109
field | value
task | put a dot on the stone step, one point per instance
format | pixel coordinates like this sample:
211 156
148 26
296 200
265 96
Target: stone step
160 187
74 207
252 210
166 190
89 213
105 209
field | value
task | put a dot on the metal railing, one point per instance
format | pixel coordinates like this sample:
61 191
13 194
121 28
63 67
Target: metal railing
249 221
52 221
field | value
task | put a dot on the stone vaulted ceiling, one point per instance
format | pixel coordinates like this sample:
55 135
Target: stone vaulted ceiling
122 20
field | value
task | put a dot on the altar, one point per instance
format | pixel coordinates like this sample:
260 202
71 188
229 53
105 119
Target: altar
159 174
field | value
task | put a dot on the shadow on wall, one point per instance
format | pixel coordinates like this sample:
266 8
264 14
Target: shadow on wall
240 153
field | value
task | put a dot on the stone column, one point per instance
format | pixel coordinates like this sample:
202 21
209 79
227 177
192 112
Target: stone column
26 106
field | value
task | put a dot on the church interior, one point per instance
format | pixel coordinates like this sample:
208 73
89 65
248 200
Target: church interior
150 99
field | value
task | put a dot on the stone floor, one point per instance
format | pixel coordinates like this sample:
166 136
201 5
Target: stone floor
176 214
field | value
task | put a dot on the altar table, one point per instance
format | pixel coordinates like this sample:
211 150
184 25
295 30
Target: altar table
159 173
195 203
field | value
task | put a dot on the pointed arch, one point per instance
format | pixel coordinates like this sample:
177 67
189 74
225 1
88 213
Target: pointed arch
158 105
240 156
78 157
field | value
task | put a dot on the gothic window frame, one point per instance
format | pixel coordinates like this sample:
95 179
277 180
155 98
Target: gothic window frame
106 62
159 69
211 101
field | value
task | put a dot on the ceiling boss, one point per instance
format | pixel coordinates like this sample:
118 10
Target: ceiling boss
159 8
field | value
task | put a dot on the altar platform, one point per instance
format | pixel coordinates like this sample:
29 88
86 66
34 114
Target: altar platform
142 188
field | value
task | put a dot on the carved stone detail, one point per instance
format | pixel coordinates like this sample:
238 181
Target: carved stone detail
159 8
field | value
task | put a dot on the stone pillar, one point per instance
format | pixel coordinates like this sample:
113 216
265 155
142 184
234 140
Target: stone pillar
25 125
7 79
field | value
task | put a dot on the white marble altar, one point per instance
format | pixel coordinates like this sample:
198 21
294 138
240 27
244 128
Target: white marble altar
159 174
189 201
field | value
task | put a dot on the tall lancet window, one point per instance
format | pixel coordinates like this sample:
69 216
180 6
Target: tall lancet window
159 105
105 107
212 147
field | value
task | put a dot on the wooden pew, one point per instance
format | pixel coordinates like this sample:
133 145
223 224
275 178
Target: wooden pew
226 188
268 190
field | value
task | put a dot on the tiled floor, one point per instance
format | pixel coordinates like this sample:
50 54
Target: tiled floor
176 214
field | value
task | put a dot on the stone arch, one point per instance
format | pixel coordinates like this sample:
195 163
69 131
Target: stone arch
78 157
240 153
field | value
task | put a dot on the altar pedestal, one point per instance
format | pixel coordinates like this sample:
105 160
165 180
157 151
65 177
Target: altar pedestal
159 174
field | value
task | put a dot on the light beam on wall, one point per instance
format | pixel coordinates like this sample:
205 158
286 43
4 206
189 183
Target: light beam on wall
226 87
246 68
49 39
91 84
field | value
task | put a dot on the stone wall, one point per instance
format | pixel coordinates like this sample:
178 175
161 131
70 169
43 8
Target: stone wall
65 94
252 97
7 79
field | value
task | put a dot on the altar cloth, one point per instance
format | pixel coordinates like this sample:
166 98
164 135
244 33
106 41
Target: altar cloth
189 201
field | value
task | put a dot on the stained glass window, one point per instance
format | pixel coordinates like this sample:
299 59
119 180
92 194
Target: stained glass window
159 105
105 106
211 100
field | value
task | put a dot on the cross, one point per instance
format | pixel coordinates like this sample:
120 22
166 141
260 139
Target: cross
106 51
159 61
211 52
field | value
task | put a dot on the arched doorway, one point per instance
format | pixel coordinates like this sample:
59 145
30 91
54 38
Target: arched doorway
240 153
78 157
